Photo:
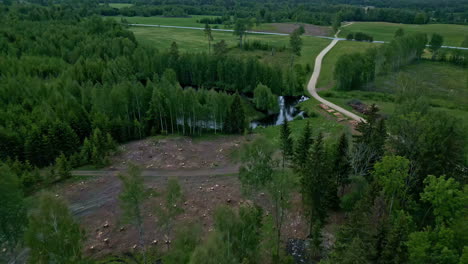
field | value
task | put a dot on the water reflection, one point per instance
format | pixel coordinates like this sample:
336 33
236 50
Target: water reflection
288 110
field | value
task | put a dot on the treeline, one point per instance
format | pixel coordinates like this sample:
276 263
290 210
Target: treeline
356 69
213 20
359 36
62 79
314 12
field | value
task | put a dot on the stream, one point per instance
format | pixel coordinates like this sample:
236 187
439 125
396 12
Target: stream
287 110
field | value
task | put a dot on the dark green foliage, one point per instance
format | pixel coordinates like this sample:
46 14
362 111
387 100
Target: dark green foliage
13 218
399 32
53 236
295 42
359 36
369 143
302 149
286 142
432 141
341 162
90 74
317 186
435 44
220 48
235 119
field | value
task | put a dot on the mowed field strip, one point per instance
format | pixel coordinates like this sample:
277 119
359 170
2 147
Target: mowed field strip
383 31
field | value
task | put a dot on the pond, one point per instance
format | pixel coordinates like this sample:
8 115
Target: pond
287 106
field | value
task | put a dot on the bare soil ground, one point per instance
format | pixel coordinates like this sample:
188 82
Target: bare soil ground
95 201
177 153
311 30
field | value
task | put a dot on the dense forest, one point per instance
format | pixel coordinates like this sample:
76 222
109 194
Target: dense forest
90 73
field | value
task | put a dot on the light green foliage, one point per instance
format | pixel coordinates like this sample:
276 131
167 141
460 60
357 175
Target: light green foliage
236 238
433 247
241 231
131 198
12 211
264 99
172 207
97 148
53 235
392 174
187 238
214 251
257 165
418 248
446 197
62 167
132 194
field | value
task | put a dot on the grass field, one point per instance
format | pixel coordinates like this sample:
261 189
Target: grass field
120 5
189 40
328 64
453 34
444 85
330 129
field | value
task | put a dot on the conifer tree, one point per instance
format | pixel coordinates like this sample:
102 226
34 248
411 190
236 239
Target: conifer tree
209 36
302 148
235 120
342 167
286 142
62 167
315 184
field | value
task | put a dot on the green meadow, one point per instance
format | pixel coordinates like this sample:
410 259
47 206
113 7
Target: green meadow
190 40
453 34
120 5
326 79
445 86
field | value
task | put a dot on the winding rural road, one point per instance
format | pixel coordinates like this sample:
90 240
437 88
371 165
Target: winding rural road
312 86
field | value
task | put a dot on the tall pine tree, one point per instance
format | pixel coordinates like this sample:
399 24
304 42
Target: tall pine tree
302 149
235 120
286 142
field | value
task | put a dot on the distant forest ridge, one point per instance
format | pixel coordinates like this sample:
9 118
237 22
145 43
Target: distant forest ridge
317 12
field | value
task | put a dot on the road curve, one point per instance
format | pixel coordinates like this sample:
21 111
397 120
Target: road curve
311 87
